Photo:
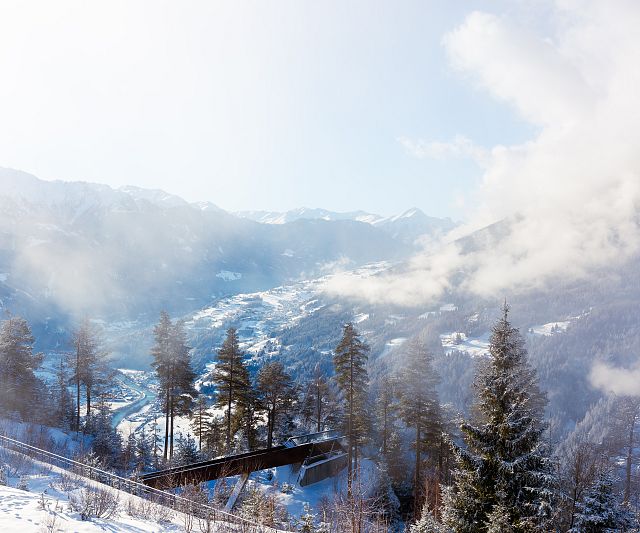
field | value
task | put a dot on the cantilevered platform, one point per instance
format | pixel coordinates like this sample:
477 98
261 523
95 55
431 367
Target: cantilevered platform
295 450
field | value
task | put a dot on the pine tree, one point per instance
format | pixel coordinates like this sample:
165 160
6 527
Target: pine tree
143 451
386 411
277 393
20 386
231 379
88 364
214 436
504 472
172 363
600 510
200 419
248 414
182 391
428 523
107 443
350 362
163 365
62 400
307 522
318 409
419 407
187 451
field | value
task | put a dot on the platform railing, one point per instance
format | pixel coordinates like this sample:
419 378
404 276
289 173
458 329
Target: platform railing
223 520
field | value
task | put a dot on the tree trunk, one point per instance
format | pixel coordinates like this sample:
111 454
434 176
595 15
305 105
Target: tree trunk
88 388
627 485
166 427
318 407
229 410
416 482
350 430
78 387
171 438
270 417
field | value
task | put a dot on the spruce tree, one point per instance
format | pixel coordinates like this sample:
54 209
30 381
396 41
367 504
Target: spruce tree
277 393
419 407
107 442
18 363
231 379
600 511
504 473
350 362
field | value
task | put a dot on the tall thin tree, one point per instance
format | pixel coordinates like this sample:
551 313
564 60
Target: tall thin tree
350 362
231 379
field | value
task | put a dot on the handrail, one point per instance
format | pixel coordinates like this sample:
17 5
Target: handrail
133 487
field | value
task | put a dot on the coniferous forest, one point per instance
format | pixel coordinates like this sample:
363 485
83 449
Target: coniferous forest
320 266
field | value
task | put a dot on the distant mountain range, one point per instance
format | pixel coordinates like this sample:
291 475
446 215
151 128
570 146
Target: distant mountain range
408 226
75 248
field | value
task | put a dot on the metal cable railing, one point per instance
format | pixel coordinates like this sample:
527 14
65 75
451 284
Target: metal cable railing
221 519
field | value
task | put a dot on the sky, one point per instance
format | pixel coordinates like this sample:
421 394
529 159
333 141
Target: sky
257 105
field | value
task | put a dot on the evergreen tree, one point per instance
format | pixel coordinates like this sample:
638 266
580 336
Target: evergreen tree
248 415
200 419
350 362
386 411
307 522
182 391
428 523
504 472
144 451
107 443
318 408
172 363
277 393
419 407
163 365
600 510
187 451
62 400
20 387
214 436
88 363
231 379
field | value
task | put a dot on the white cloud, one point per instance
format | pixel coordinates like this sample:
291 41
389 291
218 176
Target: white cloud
459 147
573 190
620 381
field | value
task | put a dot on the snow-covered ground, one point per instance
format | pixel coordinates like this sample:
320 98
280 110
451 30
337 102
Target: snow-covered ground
46 504
550 328
473 346
45 509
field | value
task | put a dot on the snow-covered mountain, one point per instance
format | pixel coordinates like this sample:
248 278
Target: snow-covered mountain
69 249
306 213
407 226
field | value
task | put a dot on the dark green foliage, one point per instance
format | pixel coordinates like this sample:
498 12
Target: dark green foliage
277 394
419 407
504 473
19 387
232 382
350 362
318 408
172 363
601 511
